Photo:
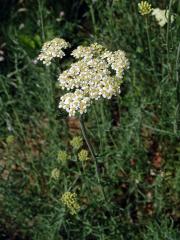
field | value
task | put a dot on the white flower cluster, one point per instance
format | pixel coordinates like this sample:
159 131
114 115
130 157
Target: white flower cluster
87 52
74 102
52 49
162 16
117 61
97 73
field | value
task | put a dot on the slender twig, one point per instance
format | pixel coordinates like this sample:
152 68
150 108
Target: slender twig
178 84
40 10
90 147
93 19
168 29
150 47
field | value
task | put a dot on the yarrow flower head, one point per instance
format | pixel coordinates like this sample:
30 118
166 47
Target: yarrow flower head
55 174
83 155
62 156
73 102
52 49
88 52
96 73
144 8
70 201
162 16
76 142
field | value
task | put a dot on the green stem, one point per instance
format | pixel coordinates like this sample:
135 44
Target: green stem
150 48
40 10
177 88
168 29
90 147
93 20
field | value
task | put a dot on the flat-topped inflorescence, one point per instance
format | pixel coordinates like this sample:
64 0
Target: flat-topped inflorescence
74 102
89 52
69 199
96 73
52 49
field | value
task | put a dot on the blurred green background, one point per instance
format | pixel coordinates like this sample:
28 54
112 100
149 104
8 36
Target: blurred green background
136 135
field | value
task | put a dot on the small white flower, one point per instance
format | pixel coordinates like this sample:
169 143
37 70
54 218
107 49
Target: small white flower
87 52
52 49
74 102
162 16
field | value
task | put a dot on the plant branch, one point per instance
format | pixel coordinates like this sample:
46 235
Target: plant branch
90 147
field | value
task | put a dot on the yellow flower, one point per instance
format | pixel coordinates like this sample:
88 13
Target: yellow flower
76 142
55 174
83 155
70 201
144 7
62 156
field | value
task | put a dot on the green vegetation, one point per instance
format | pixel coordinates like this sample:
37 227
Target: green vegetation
136 135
